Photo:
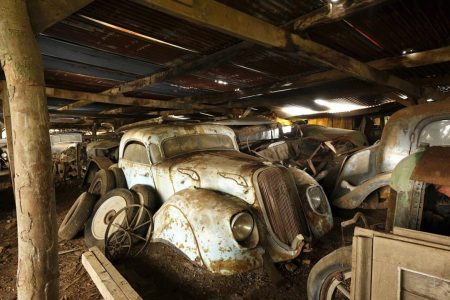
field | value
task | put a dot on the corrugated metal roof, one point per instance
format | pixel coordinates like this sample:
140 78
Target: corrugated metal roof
277 12
393 27
111 42
143 20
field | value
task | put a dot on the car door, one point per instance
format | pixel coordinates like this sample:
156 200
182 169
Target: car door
135 164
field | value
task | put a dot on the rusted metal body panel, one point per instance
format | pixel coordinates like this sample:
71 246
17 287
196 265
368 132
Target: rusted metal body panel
434 166
200 186
401 137
196 222
410 179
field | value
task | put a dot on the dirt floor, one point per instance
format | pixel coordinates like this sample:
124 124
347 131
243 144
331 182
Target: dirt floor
161 273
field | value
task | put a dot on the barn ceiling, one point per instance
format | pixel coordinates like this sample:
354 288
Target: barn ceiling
142 58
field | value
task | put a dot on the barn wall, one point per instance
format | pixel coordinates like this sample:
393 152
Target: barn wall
345 123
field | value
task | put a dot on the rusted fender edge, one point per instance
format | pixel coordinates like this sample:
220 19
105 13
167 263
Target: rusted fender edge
356 196
102 163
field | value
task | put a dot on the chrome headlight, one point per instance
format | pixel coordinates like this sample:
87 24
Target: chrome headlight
316 199
4 155
242 225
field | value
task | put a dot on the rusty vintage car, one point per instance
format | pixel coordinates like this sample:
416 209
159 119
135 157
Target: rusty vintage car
101 154
362 179
67 155
420 201
221 208
4 162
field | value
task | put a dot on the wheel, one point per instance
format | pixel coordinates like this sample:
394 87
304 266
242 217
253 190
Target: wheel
102 183
147 196
77 216
330 277
132 238
104 213
121 182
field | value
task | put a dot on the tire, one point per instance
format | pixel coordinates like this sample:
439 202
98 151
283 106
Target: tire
77 216
147 196
106 207
121 182
322 276
102 183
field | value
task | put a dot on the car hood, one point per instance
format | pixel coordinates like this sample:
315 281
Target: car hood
230 172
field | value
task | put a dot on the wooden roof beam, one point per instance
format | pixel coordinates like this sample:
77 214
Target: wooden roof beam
332 12
129 101
132 101
220 17
45 13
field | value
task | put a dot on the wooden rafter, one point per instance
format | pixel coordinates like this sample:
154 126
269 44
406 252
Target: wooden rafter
220 17
45 13
332 13
121 100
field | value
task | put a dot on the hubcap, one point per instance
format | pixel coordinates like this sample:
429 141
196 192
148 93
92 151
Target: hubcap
105 213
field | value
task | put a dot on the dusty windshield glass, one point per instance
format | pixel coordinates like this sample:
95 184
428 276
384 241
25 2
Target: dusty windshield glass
192 143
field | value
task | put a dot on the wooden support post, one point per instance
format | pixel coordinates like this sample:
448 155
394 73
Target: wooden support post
38 271
7 121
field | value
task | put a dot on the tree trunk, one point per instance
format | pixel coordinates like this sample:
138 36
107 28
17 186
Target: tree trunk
37 274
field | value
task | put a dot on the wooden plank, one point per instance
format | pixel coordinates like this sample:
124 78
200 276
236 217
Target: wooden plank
423 286
114 273
109 281
361 267
422 236
45 13
93 97
332 13
391 255
220 17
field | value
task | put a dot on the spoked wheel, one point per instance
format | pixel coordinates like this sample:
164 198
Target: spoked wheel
336 286
330 277
129 237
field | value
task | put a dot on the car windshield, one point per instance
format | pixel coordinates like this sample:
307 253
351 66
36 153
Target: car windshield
192 143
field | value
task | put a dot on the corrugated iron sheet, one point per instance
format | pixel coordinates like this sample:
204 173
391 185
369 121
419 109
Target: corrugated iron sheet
82 53
274 63
76 82
138 18
84 32
395 26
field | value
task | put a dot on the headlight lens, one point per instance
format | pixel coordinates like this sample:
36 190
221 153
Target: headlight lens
242 226
4 155
315 198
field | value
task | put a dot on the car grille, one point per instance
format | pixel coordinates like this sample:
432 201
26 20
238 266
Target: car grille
282 204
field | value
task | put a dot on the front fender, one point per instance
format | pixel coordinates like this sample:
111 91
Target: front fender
357 194
197 223
319 222
95 164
